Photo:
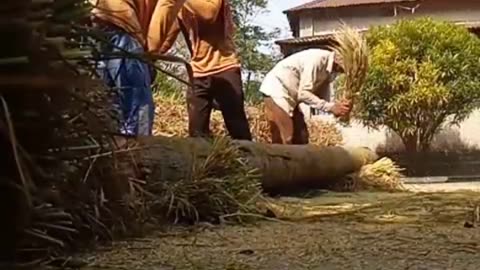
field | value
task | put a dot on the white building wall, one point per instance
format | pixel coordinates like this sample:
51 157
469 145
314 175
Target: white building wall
366 16
306 26
322 26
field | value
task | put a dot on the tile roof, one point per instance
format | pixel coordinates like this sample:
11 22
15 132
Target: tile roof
341 3
304 40
473 26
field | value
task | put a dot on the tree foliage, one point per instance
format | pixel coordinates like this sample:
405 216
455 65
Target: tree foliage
423 73
250 39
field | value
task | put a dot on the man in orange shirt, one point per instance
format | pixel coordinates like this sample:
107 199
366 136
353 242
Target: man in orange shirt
134 26
208 29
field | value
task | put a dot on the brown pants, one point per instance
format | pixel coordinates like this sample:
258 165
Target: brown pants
285 129
226 89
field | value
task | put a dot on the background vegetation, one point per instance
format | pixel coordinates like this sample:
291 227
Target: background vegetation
423 74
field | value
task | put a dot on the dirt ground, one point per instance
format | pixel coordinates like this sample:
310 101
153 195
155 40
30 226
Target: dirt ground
326 231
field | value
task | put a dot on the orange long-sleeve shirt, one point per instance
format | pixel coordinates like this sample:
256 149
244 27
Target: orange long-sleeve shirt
213 47
148 20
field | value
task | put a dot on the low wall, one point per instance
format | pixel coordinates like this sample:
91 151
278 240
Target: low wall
453 138
463 139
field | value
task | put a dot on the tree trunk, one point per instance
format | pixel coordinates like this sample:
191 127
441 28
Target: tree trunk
411 144
282 167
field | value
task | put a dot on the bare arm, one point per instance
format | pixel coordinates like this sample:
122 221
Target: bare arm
207 10
163 17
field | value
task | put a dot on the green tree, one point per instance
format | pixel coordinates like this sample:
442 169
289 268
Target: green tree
166 85
250 39
423 73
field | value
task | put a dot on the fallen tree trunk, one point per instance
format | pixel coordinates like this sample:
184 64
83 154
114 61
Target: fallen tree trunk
282 168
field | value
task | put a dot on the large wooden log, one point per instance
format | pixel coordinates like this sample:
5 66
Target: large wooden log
282 167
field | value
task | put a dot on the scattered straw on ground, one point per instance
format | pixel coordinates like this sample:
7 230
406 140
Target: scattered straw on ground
171 120
397 231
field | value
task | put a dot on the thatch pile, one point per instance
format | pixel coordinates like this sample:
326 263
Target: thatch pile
59 180
171 120
383 175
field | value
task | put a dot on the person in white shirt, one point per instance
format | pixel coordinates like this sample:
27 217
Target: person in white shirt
299 78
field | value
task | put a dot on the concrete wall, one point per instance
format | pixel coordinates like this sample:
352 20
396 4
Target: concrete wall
325 21
464 136
306 26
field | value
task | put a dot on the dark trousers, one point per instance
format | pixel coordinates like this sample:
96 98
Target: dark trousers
226 89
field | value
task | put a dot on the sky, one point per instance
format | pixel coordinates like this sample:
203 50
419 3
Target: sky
275 18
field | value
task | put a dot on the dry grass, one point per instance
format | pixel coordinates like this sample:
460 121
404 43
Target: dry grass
171 120
383 175
352 49
219 187
379 231
60 181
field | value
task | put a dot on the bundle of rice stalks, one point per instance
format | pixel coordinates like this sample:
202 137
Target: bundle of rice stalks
383 175
351 48
171 120
218 187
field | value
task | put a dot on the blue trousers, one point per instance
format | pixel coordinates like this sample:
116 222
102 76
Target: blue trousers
131 79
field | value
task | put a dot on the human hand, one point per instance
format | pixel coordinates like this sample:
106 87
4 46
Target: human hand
342 108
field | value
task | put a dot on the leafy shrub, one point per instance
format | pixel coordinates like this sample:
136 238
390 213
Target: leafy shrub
423 73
